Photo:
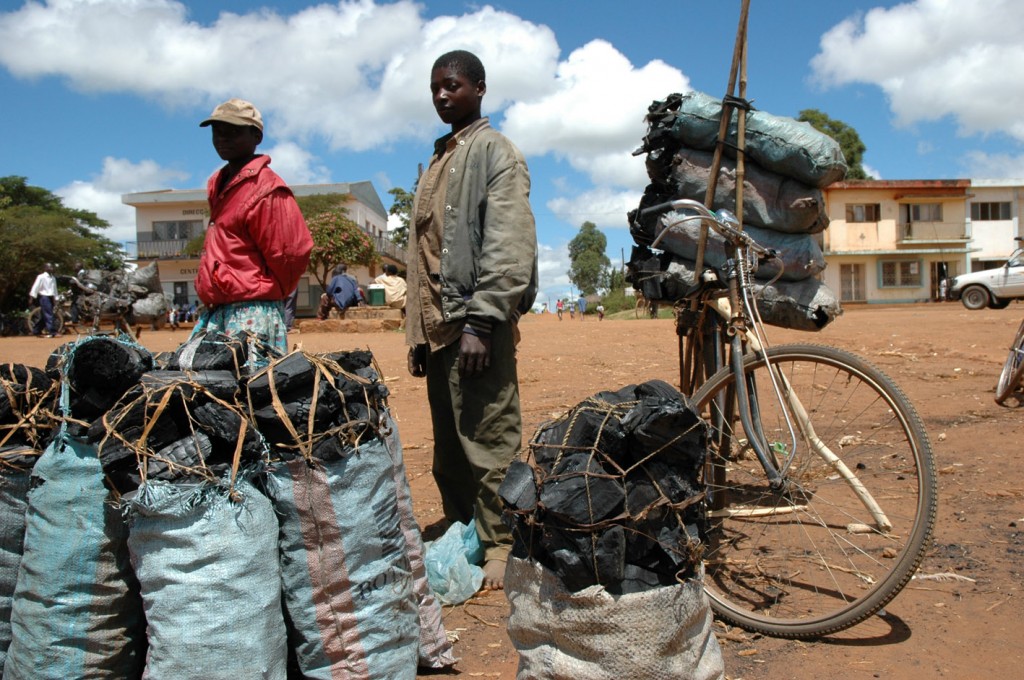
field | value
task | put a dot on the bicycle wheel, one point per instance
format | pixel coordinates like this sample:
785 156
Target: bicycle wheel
1013 369
813 559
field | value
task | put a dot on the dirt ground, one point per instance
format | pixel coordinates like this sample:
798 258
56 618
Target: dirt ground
945 358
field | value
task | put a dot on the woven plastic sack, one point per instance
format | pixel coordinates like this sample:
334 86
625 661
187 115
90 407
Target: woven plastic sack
779 144
770 200
348 581
76 611
14 483
800 256
452 563
660 634
206 560
435 649
807 305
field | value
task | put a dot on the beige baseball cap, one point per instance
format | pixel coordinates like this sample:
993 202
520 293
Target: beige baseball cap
236 112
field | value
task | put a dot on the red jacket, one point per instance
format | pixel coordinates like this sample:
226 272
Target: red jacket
257 243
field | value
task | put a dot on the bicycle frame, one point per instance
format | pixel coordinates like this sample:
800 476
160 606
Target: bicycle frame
744 328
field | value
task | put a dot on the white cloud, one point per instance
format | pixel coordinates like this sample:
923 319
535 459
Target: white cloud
296 165
354 73
994 166
553 267
935 58
606 208
594 112
102 194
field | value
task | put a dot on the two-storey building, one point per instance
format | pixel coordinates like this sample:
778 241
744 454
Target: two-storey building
166 221
895 241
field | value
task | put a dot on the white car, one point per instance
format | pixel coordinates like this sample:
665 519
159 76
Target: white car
993 288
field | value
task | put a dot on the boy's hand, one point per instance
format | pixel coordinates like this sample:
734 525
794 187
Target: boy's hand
418 361
474 355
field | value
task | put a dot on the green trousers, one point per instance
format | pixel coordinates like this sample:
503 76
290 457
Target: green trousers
478 430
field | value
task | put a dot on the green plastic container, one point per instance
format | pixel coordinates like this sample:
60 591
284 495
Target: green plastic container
376 295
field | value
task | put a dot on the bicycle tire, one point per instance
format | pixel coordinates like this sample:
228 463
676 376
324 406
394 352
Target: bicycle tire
1013 370
58 320
814 561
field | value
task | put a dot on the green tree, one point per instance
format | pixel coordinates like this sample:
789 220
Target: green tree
36 227
588 263
402 207
337 239
849 141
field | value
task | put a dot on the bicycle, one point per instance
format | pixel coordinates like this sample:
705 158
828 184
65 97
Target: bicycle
820 490
645 308
1011 378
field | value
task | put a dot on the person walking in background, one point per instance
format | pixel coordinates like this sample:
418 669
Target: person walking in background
257 243
44 291
473 273
342 292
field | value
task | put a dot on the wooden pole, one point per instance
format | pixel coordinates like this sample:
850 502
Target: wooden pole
689 379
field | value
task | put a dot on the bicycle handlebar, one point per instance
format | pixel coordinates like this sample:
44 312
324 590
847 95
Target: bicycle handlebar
721 221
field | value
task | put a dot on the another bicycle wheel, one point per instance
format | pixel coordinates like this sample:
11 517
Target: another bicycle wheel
1013 369
855 515
58 320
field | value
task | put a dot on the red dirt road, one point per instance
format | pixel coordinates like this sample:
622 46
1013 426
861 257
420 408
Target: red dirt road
945 358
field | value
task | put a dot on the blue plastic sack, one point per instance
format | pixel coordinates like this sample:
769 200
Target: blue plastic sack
207 565
76 611
347 578
452 563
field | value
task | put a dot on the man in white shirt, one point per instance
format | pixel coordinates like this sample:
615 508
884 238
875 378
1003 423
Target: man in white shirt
44 289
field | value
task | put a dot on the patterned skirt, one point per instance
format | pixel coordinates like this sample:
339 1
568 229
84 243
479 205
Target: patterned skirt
262 319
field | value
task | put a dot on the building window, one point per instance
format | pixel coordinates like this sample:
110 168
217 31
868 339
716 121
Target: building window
990 211
181 230
901 274
924 212
863 212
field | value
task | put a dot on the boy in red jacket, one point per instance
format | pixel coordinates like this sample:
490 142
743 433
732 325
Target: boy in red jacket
257 244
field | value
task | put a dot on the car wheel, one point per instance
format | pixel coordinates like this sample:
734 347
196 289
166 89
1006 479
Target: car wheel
974 297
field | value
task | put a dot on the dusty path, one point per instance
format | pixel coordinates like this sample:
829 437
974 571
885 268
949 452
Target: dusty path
945 358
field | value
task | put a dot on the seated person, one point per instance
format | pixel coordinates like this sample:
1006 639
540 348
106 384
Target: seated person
342 292
394 287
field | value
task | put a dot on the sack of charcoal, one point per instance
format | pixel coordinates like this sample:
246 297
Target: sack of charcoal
27 403
76 610
605 579
355 590
181 451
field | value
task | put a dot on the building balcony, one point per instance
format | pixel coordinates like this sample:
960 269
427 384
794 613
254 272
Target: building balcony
919 233
161 250
173 249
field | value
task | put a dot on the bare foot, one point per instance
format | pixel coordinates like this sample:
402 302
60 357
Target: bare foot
494 575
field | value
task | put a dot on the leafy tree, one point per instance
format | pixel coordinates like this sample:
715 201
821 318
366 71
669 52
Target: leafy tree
588 261
403 208
35 228
337 239
849 141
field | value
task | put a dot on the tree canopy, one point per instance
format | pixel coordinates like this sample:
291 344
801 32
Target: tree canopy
849 141
36 227
588 267
402 207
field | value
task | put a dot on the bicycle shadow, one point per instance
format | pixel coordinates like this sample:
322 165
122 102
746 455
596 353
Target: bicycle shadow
878 630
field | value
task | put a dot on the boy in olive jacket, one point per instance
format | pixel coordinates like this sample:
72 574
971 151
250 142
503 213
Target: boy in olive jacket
473 275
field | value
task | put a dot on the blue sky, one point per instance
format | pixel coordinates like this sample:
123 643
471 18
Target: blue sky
104 97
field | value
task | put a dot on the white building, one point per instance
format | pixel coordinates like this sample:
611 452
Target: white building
166 221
